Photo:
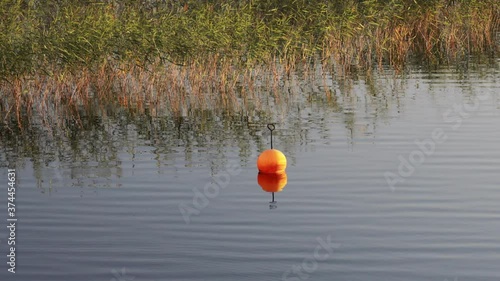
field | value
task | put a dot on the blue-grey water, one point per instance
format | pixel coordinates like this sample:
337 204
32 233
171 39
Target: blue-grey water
388 178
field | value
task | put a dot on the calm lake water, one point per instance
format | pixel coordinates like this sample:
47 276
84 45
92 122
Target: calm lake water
388 178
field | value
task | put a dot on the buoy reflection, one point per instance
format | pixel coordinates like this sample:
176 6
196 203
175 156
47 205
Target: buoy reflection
272 183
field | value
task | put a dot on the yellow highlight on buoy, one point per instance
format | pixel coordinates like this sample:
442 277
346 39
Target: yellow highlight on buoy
271 161
272 182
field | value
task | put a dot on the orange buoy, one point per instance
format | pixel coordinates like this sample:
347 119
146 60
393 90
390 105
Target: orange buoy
272 182
271 161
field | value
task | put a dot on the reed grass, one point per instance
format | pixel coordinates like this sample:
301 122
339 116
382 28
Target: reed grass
67 54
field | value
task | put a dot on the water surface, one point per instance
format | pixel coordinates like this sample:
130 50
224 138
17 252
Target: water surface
103 202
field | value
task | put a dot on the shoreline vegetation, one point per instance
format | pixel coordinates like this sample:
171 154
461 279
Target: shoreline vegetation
62 57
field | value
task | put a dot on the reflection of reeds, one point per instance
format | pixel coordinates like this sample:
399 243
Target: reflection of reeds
85 122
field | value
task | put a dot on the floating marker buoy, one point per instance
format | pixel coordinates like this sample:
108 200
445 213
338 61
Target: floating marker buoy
272 182
272 164
271 161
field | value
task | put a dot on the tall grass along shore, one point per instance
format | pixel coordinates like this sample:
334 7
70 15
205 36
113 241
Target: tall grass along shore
72 54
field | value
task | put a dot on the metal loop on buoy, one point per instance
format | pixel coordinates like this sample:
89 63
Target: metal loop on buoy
271 127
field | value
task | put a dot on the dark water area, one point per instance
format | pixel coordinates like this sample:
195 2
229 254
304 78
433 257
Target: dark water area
389 177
